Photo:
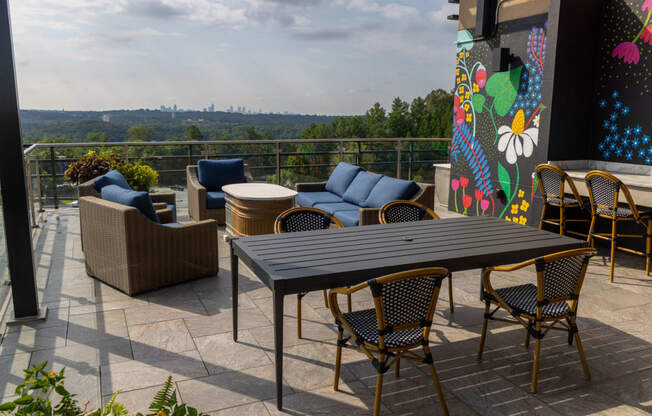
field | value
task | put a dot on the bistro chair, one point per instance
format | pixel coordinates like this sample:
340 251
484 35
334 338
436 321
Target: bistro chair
306 219
552 184
406 211
551 304
604 191
400 322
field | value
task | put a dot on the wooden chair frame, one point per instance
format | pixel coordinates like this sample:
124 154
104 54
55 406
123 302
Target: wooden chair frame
563 220
428 212
537 325
278 229
381 356
615 219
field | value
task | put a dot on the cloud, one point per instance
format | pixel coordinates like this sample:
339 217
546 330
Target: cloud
157 9
398 11
322 34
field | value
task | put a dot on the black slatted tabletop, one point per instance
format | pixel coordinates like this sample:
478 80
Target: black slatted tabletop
305 261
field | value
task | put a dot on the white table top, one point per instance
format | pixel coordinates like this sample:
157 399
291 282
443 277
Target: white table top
258 191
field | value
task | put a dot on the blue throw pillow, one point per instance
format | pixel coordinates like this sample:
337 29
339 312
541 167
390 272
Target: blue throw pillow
213 174
390 189
140 200
341 178
113 177
361 186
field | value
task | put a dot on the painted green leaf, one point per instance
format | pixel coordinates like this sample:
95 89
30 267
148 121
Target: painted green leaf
478 102
503 86
505 180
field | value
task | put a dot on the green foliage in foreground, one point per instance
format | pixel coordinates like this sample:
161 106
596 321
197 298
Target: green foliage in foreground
43 393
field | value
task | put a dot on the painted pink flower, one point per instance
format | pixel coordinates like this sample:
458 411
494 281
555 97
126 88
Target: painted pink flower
478 194
464 181
481 76
466 201
628 52
484 204
647 6
456 103
646 36
459 116
455 184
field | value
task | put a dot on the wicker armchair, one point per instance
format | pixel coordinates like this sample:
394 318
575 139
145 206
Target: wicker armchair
126 250
552 183
369 216
161 200
306 219
404 306
197 198
604 190
542 307
407 211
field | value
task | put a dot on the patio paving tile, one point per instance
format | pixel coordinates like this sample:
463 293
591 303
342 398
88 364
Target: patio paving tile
160 340
255 409
96 327
220 353
26 339
135 401
157 313
11 372
200 326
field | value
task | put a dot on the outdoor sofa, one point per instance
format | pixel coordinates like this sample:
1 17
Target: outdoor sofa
127 247
354 196
204 184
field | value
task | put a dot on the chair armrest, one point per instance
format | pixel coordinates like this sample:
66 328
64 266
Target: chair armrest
512 267
165 215
368 216
335 307
426 196
169 198
247 173
196 194
311 187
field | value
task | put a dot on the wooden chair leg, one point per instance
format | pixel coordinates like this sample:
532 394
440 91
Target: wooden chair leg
348 301
379 388
435 379
613 250
580 350
590 238
535 367
450 293
338 358
648 247
562 226
543 216
299 297
397 365
325 298
527 336
483 335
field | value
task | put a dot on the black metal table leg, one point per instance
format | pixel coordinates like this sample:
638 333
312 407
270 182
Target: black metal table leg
234 291
278 347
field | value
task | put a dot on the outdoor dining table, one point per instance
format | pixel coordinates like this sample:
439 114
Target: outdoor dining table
291 263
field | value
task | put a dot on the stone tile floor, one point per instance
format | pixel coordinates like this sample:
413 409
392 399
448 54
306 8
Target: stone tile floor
109 341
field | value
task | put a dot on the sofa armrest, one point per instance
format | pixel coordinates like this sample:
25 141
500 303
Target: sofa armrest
311 187
87 189
165 215
169 198
426 195
368 216
196 194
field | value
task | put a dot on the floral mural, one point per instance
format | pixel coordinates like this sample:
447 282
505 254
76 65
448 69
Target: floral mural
629 51
496 127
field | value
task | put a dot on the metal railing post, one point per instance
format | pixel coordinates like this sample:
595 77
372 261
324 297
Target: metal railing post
410 159
30 190
398 160
341 150
277 150
38 182
189 154
53 166
358 155
126 153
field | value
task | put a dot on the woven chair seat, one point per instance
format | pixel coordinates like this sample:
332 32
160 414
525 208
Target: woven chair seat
523 299
567 200
364 325
624 212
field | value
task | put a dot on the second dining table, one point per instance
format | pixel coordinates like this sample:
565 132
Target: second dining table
314 260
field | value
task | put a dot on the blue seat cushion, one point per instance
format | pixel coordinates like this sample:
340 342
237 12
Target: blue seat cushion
349 218
341 178
140 200
213 174
309 199
390 189
360 187
173 208
113 177
337 206
215 200
172 224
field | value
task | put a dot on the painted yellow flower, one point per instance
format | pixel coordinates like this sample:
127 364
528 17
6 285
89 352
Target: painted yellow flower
457 80
522 220
467 54
515 220
507 218
515 209
525 205
467 95
469 117
463 77
466 107
457 72
461 55
475 88
462 89
521 193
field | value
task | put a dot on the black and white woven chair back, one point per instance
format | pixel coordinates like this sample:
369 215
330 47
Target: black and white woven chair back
406 301
304 221
404 213
603 191
551 182
560 277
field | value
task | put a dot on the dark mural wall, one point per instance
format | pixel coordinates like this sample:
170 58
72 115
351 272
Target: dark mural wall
622 109
497 116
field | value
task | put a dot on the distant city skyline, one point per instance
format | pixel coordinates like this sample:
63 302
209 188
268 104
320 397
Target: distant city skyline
331 57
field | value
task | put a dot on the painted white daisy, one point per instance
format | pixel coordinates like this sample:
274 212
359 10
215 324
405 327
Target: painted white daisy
537 120
517 141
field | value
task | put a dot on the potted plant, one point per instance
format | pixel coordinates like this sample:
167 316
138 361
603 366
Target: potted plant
139 176
90 166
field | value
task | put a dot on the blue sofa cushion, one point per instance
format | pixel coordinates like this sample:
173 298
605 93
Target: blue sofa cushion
213 174
390 189
341 178
140 200
309 199
173 208
337 206
172 224
113 177
360 187
215 200
349 218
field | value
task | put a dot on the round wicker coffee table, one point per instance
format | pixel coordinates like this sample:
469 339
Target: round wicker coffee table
252 208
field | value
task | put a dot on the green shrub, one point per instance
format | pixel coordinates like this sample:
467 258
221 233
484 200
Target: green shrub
90 166
140 177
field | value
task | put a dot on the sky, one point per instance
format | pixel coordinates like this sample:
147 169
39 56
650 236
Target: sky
303 56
